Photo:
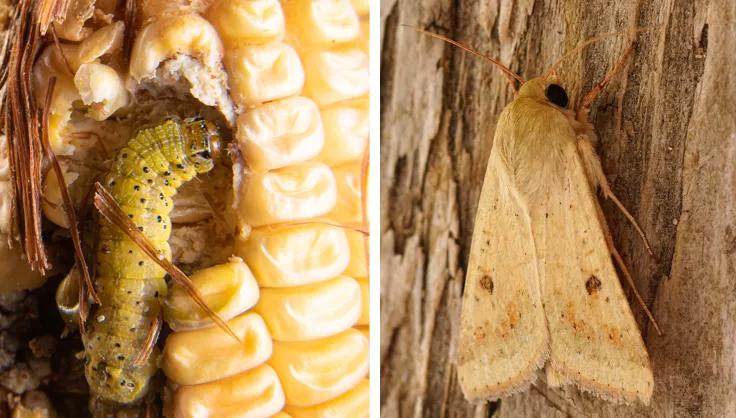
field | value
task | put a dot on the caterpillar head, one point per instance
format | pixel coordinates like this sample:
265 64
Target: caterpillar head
202 143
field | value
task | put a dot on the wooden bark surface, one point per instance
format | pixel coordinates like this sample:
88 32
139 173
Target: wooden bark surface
667 140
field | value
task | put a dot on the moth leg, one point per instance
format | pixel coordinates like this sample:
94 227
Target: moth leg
582 112
593 166
150 342
598 178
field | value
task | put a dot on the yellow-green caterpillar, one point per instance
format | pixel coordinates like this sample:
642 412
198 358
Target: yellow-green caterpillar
144 176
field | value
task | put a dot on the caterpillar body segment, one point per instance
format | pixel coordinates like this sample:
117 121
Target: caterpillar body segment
144 176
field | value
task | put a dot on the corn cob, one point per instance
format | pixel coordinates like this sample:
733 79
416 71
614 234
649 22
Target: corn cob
301 184
294 87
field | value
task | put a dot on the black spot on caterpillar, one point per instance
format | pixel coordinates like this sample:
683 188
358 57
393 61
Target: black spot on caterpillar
130 285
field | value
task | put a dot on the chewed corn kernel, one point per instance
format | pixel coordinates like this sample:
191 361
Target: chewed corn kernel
358 266
349 206
365 291
317 371
72 28
103 41
280 133
209 354
247 22
295 255
228 289
320 23
313 311
261 73
52 203
346 132
100 88
336 74
165 38
293 193
354 404
256 393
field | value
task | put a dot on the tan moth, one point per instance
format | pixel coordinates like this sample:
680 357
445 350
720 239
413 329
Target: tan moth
541 290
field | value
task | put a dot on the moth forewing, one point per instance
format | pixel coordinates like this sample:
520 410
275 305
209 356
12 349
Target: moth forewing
541 284
503 336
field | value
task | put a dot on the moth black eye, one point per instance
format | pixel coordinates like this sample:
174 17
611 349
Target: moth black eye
205 154
557 95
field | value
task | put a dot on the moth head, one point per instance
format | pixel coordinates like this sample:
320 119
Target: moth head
202 143
547 89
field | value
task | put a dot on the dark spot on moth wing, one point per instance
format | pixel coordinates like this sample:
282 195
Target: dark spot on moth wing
557 95
487 283
592 285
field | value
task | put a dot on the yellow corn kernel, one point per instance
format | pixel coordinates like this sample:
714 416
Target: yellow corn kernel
228 289
365 292
320 23
349 206
346 132
336 74
293 193
295 255
165 38
247 22
209 354
254 394
355 403
358 266
314 372
280 133
14 269
362 7
261 73
313 311
100 88
365 330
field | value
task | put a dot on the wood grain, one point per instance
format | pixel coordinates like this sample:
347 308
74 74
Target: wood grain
667 139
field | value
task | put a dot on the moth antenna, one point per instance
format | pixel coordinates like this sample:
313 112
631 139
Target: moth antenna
364 167
507 72
630 280
593 40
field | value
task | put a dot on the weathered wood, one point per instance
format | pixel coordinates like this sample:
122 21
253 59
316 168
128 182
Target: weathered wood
667 132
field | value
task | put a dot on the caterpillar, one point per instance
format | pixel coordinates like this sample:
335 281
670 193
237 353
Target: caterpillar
143 177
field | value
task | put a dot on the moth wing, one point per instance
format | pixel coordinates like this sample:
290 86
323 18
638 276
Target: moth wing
595 342
503 337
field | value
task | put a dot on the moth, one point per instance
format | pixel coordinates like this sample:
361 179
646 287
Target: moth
541 290
121 333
